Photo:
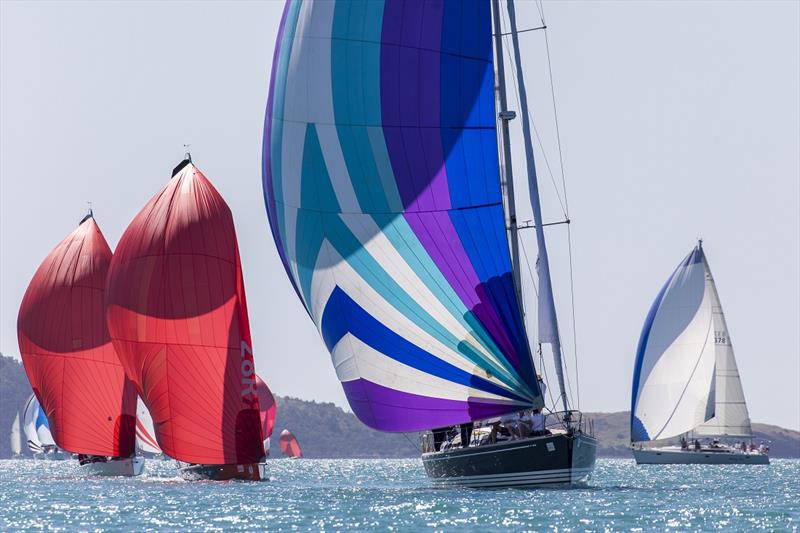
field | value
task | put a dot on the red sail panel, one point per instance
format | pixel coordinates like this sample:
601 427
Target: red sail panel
268 408
178 319
289 445
67 351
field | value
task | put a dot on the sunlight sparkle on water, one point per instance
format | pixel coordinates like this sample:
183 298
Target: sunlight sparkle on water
396 495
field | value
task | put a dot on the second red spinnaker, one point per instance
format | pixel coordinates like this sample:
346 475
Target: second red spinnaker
67 351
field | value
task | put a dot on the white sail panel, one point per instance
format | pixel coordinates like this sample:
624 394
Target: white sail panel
730 414
43 430
145 439
16 436
674 372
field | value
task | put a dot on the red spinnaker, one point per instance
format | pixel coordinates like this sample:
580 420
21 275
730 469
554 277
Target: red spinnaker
289 445
67 351
178 319
267 404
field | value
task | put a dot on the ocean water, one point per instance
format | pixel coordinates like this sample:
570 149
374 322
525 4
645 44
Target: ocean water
385 495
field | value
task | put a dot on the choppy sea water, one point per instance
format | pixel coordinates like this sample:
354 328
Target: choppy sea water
385 495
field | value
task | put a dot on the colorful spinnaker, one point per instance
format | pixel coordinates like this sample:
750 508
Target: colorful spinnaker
35 427
67 352
289 445
685 376
381 181
178 318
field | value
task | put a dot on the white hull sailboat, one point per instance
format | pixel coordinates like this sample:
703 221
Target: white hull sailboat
686 382
126 467
719 455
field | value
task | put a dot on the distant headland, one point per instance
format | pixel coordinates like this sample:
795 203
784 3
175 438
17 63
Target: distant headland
327 431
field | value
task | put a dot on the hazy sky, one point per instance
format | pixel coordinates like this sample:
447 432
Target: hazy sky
678 120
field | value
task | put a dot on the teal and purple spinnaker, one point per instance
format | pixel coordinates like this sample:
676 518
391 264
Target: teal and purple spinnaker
382 188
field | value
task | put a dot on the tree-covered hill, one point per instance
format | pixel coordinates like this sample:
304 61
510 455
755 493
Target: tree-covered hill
325 430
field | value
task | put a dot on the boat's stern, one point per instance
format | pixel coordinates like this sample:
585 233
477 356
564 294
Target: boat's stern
584 456
119 467
244 472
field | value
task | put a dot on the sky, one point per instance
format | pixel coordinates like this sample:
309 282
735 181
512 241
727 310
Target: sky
677 120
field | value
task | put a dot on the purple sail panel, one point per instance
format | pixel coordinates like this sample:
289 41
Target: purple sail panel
387 409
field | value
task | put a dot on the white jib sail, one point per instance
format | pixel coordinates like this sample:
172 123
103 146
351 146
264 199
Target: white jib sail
674 374
730 414
16 436
145 433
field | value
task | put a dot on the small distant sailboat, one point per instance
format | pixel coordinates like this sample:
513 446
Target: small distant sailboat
289 445
390 196
16 436
685 382
177 314
88 403
36 430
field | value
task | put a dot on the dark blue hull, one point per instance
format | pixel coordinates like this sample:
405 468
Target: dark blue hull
556 459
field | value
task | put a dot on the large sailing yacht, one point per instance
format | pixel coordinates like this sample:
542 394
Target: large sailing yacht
685 382
389 193
70 362
177 315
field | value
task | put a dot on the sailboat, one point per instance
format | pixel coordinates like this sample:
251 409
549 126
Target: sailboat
289 445
177 315
16 436
391 205
685 382
69 360
36 429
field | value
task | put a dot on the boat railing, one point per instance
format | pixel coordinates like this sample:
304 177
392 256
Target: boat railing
569 421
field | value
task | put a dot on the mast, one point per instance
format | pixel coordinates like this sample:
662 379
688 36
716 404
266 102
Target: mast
506 170
548 322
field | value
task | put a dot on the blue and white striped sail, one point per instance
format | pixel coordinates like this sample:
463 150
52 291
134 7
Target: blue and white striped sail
673 378
381 181
36 426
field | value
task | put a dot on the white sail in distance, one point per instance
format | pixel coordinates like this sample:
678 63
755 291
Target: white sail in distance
673 381
16 436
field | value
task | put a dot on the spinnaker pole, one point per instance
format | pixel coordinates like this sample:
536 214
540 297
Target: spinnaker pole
548 322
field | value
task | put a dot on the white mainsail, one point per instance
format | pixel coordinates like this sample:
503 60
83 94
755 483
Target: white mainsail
730 414
16 436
